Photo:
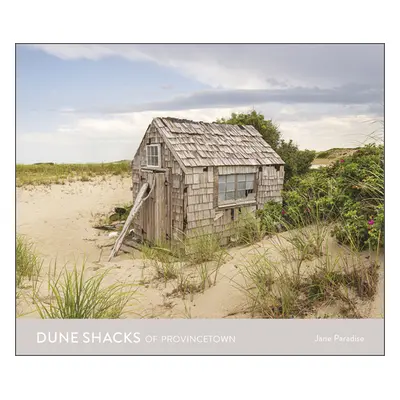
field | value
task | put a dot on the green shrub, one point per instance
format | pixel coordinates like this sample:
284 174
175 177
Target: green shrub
297 162
361 176
350 194
271 217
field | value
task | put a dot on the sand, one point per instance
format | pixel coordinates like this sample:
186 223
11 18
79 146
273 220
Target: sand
59 219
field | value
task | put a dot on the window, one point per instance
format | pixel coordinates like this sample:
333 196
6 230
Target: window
245 185
153 155
236 187
227 187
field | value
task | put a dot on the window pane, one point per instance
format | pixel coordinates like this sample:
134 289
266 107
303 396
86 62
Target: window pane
241 194
230 178
250 177
152 160
230 195
152 155
222 187
241 177
230 186
241 185
250 181
249 185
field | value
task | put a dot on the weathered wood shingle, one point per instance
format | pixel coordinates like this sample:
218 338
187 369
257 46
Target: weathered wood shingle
212 144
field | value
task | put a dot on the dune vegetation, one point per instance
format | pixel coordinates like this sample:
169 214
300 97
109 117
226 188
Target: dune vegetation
27 262
72 295
51 173
344 201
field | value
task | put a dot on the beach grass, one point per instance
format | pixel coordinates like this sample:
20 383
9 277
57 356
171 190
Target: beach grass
51 173
71 295
275 290
28 264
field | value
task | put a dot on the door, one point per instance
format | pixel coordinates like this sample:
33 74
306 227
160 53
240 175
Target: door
156 215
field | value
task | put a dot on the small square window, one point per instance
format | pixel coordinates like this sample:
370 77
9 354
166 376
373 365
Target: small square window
153 155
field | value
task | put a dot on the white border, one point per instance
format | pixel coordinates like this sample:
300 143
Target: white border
197 377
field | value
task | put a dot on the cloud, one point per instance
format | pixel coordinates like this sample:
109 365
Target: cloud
257 66
346 94
73 51
66 110
329 131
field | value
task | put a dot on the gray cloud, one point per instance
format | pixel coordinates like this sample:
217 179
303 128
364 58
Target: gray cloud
232 65
351 94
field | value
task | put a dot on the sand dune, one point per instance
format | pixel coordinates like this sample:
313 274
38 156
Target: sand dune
59 219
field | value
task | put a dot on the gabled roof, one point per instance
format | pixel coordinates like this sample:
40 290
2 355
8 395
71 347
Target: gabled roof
198 144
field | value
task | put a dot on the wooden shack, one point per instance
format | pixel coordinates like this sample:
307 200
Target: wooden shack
202 176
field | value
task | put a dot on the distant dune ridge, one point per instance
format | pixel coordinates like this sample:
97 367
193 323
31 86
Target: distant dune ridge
328 157
52 173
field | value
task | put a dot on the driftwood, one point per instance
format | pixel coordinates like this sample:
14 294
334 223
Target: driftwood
140 199
106 227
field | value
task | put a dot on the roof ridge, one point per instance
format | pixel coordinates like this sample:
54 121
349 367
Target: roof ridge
185 120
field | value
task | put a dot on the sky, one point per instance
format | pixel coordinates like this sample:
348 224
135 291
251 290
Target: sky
93 103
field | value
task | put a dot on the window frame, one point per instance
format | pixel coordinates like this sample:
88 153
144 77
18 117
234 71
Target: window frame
236 190
158 147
